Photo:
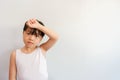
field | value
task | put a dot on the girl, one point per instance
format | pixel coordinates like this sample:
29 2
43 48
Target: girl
29 62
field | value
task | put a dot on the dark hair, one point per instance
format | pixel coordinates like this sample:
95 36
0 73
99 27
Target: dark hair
34 31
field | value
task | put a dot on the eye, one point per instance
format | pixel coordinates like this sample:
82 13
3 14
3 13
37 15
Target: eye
37 36
28 33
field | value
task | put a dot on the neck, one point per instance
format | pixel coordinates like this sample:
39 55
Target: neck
28 49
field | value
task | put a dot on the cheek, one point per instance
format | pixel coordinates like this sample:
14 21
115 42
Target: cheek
25 38
38 40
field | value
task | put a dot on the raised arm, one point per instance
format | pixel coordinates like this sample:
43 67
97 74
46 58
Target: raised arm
53 37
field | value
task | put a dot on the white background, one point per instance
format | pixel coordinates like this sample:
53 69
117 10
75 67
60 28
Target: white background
89 43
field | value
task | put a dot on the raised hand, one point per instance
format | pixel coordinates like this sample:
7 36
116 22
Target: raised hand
33 23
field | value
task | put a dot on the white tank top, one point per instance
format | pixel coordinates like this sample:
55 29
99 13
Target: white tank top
31 66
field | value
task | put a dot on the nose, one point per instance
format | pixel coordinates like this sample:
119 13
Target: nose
31 37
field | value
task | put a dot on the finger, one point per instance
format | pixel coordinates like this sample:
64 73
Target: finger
28 23
32 21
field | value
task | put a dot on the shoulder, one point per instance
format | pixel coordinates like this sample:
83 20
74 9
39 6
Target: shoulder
12 58
42 50
13 54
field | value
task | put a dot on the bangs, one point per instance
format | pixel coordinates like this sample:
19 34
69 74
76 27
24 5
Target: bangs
33 31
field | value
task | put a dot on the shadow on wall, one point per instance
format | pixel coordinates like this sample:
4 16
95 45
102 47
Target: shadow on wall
50 77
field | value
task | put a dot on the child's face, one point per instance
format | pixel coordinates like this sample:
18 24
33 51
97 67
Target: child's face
31 40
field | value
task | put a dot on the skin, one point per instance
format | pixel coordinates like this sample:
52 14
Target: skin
31 42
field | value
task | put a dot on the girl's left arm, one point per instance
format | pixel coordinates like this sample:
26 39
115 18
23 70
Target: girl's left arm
53 37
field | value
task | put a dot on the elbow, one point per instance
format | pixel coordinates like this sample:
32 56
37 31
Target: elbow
55 38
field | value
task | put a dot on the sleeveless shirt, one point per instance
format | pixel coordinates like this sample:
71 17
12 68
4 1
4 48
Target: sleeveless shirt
31 66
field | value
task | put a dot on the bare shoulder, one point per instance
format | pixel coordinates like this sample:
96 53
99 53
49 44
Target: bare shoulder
13 54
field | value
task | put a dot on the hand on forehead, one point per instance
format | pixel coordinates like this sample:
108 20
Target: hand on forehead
31 21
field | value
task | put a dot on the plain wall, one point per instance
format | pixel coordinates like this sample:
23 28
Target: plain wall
89 30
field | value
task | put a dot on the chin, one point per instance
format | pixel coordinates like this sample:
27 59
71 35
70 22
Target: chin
29 46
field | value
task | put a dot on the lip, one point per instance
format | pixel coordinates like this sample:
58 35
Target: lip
29 42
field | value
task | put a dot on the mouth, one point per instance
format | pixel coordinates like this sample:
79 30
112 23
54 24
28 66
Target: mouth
30 42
